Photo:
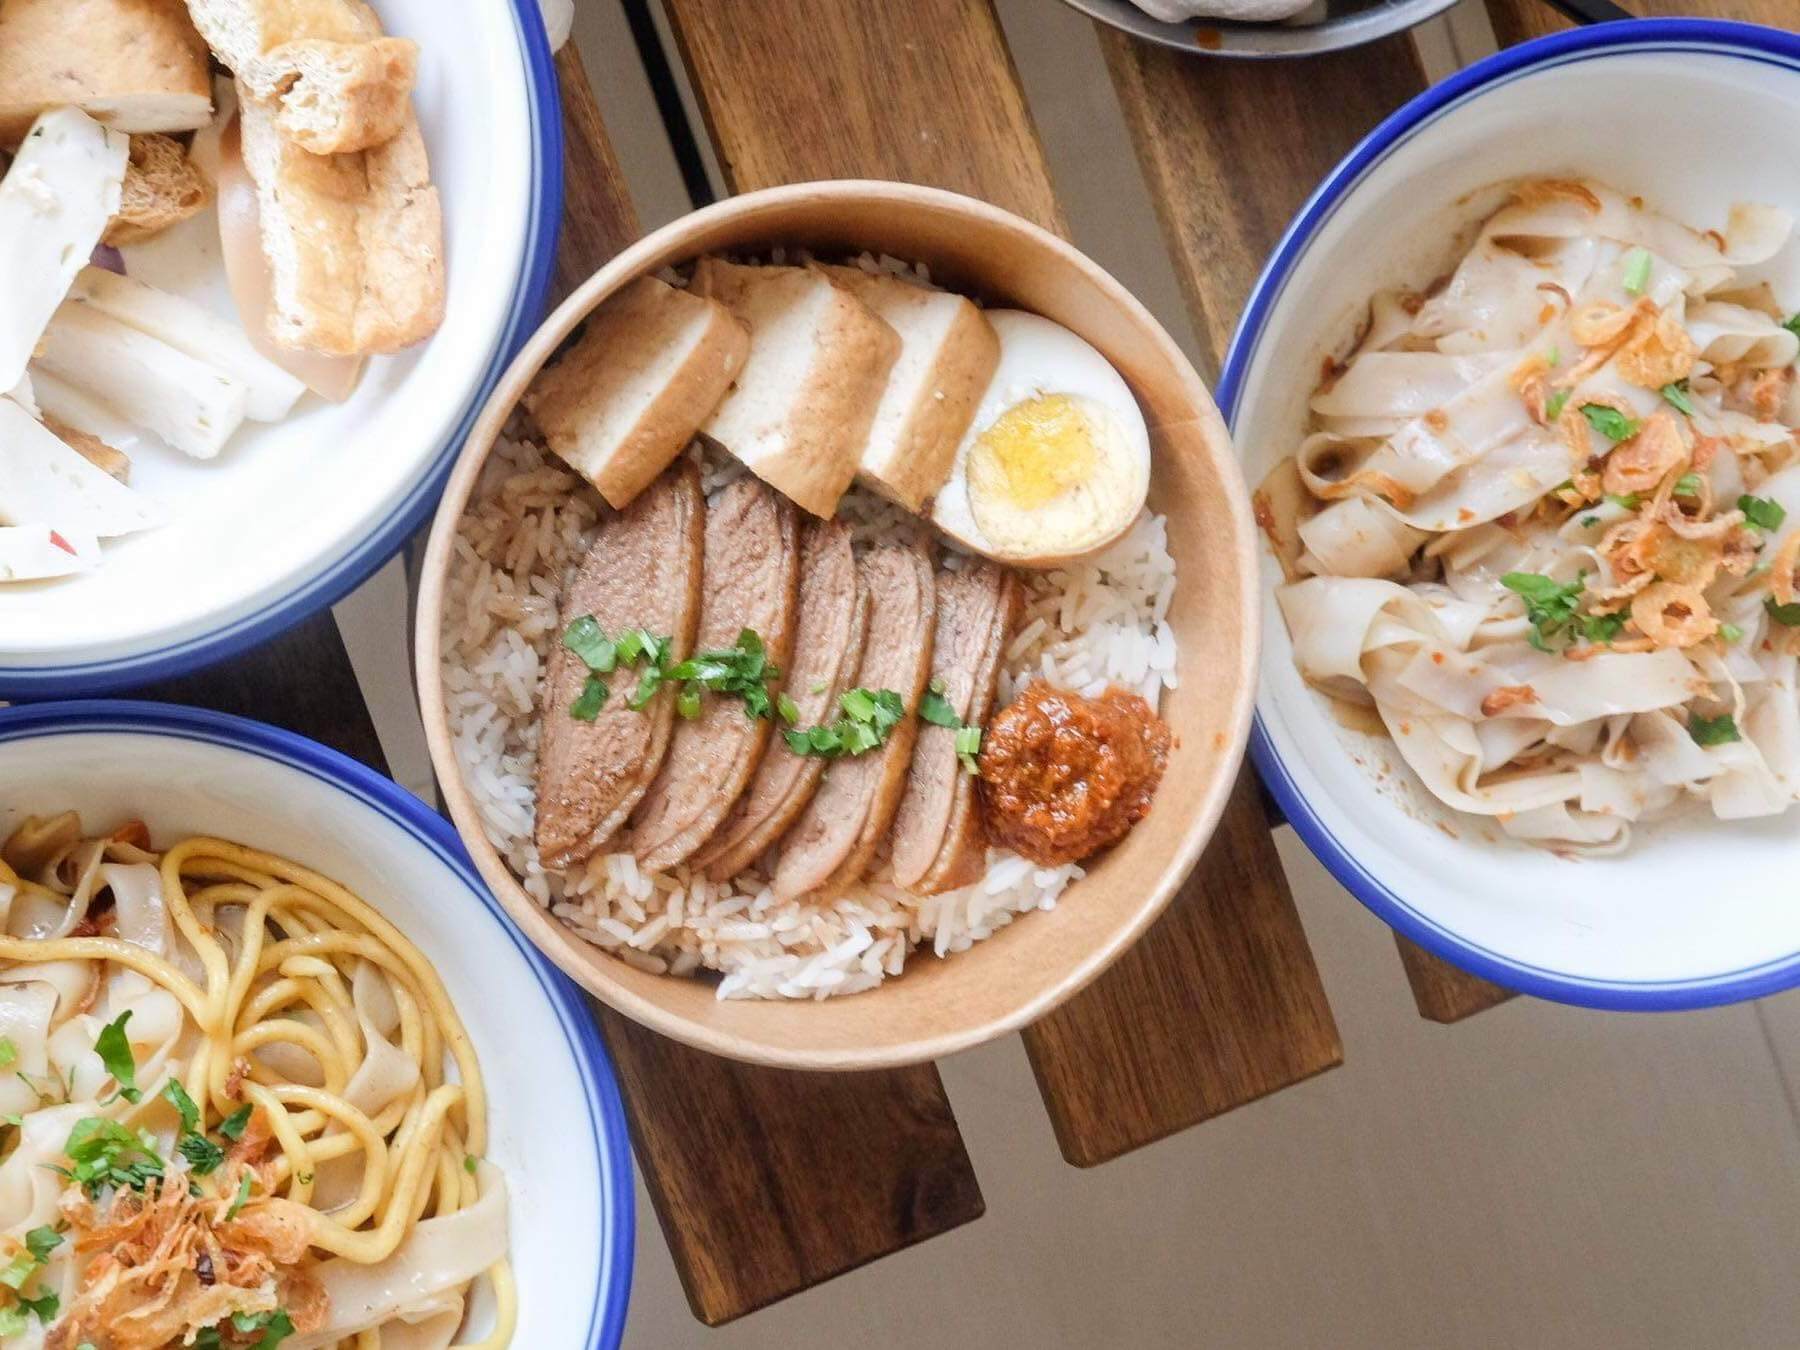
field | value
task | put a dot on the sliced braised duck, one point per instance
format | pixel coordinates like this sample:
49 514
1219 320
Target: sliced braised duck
832 626
724 713
939 843
836 836
597 754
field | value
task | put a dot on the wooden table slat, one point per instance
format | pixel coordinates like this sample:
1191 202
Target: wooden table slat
1197 125
765 1182
1517 20
926 92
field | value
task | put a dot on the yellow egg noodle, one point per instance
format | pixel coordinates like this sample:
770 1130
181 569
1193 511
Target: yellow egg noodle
240 1110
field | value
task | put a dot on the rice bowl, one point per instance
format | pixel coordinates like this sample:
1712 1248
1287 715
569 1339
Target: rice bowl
488 615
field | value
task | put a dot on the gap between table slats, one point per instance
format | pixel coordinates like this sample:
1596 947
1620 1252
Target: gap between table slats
765 1182
1230 151
1220 1002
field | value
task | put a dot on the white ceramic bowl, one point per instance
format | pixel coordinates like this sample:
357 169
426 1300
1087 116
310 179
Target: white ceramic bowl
1693 115
557 1128
292 515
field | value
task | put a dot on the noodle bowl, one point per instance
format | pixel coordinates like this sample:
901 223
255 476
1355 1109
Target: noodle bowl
242 1109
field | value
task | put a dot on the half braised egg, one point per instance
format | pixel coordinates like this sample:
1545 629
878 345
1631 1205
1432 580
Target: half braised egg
1056 463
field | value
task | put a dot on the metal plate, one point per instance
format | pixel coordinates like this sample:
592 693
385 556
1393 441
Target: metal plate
1346 23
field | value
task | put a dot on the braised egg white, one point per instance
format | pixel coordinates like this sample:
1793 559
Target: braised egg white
1056 462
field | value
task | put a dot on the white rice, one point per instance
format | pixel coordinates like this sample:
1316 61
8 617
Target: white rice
1096 623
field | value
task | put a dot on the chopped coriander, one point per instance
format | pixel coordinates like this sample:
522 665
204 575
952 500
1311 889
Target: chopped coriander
275 1326
9 1053
232 1127
1788 615
1720 730
968 745
1554 408
1688 485
590 700
1609 422
1629 502
45 1306
1552 609
789 710
1676 396
41 1241
470 1163
203 1156
936 709
243 1196
1637 271
1730 632
177 1096
742 670
105 1154
597 651
1588 522
1763 512
1793 324
687 702
869 717
115 1053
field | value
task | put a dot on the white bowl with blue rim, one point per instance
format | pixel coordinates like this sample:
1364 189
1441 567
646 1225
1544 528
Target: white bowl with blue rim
1693 115
294 515
556 1126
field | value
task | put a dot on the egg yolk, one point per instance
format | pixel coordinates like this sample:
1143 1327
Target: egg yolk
1033 453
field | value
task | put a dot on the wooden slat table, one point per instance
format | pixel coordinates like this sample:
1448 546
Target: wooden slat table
1220 1003
767 1183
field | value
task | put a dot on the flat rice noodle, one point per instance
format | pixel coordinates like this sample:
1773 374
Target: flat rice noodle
73 982
1753 233
1745 788
28 1188
1508 478
1357 537
1493 301
424 1277
1487 414
1605 685
387 1072
1402 384
1731 333
25 1011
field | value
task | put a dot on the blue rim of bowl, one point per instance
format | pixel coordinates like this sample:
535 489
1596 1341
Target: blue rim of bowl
1710 36
606 1111
343 575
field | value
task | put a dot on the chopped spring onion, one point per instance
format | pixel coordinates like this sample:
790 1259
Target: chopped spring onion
1637 271
1609 422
